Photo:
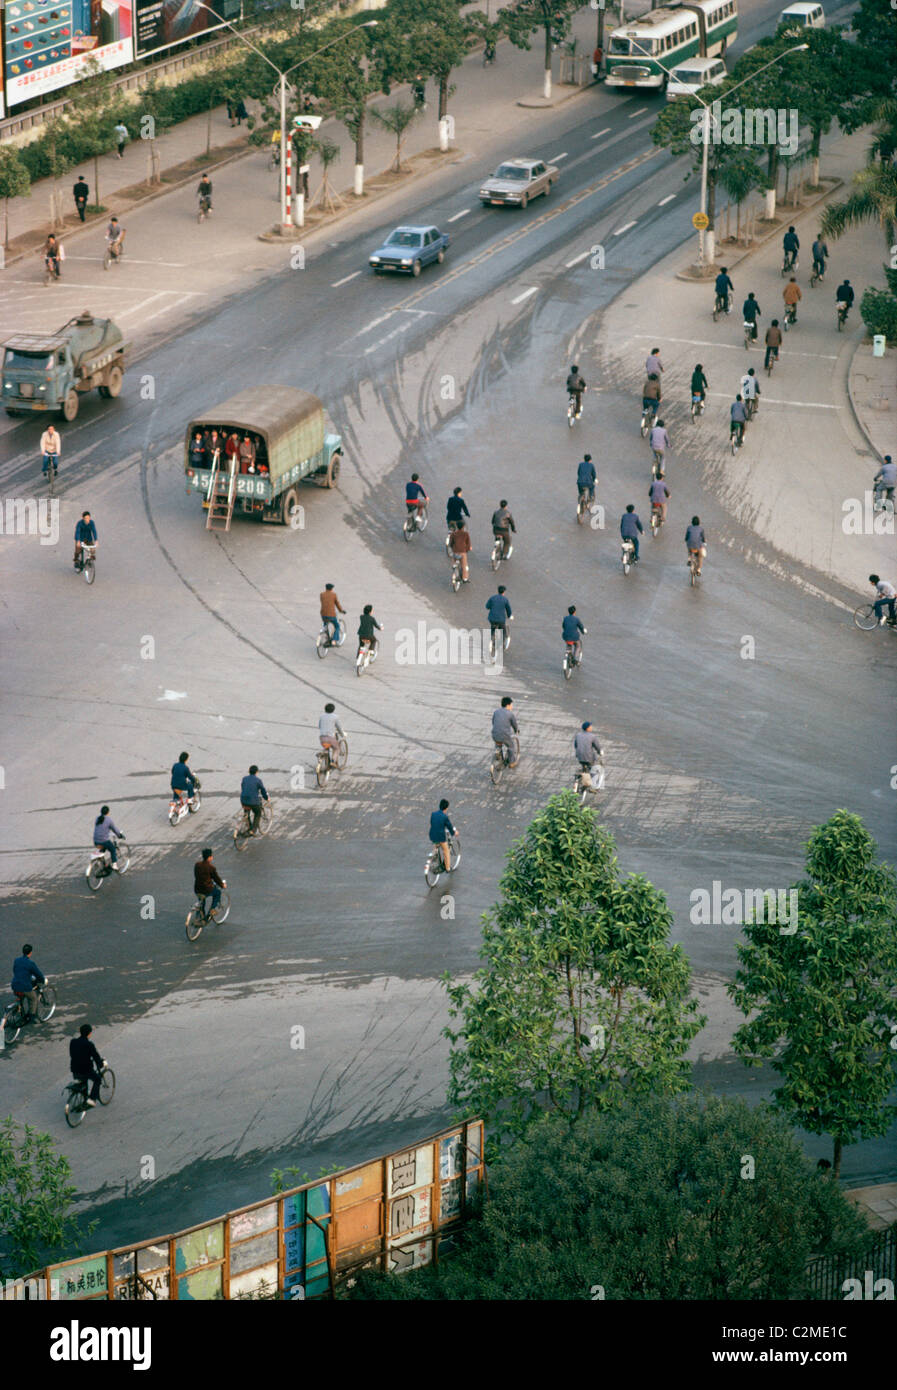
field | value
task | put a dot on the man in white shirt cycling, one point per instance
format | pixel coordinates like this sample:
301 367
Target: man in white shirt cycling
329 730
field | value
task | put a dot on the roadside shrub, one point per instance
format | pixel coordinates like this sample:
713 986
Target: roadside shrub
878 310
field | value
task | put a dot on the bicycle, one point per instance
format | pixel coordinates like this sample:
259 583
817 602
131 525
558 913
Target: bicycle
721 306
736 438
52 270
584 504
790 262
748 334
697 405
499 551
647 420
113 253
627 554
434 868
367 653
415 521
771 359
50 469
572 658
198 917
574 411
455 578
866 619
818 275
751 406
790 316
86 563
205 207
243 831
326 762
504 757
16 1018
75 1097
843 310
694 568
585 784
657 462
100 865
656 520
324 640
505 640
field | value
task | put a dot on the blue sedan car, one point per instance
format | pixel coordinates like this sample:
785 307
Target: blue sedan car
409 249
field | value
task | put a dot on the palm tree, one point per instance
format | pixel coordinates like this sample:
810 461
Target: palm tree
874 199
396 119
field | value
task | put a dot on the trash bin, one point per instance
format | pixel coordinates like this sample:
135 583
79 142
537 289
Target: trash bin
879 343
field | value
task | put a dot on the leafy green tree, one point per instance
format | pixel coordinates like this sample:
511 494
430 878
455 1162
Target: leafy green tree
822 998
670 1198
525 18
779 88
36 1195
581 1000
15 181
738 176
345 77
153 119
396 119
874 23
89 114
425 41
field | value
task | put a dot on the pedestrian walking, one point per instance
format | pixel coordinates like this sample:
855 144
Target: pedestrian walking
121 138
230 111
81 193
241 113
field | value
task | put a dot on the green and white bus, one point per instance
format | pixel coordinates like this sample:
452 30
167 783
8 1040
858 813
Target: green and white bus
642 53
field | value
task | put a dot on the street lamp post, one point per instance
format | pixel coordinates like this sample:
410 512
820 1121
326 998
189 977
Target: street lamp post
286 190
705 137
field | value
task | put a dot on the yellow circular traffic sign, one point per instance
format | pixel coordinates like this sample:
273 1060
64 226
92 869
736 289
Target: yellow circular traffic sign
700 221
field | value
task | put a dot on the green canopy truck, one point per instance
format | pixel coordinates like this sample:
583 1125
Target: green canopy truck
250 454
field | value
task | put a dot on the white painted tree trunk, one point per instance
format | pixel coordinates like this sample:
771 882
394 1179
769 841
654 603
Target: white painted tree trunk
443 135
710 246
815 179
358 188
770 212
546 86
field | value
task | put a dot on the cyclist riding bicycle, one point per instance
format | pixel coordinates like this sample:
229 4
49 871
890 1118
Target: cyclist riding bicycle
699 382
820 256
459 549
750 391
207 882
886 598
587 747
53 254
204 190
441 830
115 236
503 525
86 1063
252 793
631 528
751 312
455 510
885 480
651 393
330 611
653 364
85 534
724 288
415 496
696 541
498 609
737 418
844 295
660 440
791 245
573 631
575 387
105 834
367 627
505 728
183 783
50 447
586 477
773 342
329 729
26 976
659 494
792 297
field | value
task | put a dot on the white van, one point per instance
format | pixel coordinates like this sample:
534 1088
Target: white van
691 76
803 16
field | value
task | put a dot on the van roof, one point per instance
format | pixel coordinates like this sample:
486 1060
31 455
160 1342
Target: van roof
802 7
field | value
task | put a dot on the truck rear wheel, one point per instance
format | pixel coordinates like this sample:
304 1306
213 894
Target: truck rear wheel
290 506
332 472
70 406
112 385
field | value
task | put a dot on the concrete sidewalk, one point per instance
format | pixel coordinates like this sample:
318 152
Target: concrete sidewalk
484 103
809 457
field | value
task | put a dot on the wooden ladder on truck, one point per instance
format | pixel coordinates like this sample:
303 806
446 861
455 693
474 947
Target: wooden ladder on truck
222 492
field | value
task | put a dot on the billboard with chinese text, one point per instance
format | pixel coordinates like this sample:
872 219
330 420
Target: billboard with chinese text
49 44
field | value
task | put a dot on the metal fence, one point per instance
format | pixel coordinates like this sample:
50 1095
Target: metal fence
398 1212
858 1277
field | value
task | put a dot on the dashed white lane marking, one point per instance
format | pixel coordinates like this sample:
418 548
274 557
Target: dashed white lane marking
526 294
773 400
668 199
462 213
374 323
135 308
345 280
576 259
640 112
624 228
598 134
173 265
739 347
556 158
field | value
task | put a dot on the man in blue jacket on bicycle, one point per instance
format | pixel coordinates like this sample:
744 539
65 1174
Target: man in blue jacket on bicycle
183 783
25 977
252 792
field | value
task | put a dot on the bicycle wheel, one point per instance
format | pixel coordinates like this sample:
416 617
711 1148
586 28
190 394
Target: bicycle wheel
342 753
107 258
241 834
693 571
46 1003
124 857
496 554
265 819
75 1106
194 923
432 869
514 757
422 520
194 803
568 668
456 578
96 874
221 913
89 571
322 644
107 1085
496 767
454 853
173 817
322 769
12 1024
408 528
865 618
